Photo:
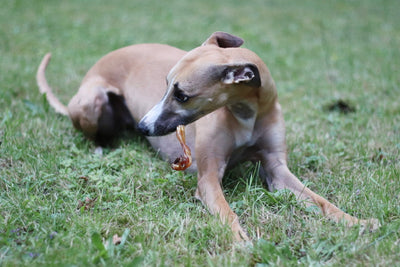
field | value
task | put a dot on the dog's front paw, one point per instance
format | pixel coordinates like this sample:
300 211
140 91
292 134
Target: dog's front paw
369 225
239 234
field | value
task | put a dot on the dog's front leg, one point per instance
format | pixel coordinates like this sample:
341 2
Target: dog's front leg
212 156
278 176
211 195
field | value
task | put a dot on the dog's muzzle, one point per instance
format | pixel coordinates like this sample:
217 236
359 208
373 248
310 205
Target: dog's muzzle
143 129
166 123
161 121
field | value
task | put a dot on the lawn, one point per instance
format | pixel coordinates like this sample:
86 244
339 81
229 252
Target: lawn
336 65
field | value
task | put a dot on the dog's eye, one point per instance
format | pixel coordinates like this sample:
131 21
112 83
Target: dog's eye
179 95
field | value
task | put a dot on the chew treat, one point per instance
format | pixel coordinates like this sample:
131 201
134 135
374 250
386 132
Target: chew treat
184 161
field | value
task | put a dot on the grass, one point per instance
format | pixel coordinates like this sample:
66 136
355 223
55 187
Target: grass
319 52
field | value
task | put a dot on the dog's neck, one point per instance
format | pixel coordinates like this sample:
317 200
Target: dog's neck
245 113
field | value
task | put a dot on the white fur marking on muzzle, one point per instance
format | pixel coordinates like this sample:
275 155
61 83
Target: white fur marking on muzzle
152 116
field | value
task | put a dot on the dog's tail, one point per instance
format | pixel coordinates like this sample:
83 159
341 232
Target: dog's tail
45 88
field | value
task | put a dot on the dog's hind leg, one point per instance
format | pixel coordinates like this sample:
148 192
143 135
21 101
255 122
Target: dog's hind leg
99 111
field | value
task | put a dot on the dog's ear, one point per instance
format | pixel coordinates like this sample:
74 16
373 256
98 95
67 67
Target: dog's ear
224 40
243 73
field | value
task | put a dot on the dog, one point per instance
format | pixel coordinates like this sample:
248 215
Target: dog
223 93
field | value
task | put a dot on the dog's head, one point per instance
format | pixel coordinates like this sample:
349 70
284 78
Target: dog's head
205 79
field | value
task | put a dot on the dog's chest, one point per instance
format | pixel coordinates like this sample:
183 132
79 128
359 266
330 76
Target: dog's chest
245 114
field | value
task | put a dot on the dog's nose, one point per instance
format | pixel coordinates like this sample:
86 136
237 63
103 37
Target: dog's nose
142 127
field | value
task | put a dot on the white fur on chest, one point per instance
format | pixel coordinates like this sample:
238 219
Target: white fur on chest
245 113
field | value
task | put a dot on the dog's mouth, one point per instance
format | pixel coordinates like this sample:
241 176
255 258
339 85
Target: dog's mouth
164 124
163 118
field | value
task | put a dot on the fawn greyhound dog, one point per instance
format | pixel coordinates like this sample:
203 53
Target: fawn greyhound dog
224 94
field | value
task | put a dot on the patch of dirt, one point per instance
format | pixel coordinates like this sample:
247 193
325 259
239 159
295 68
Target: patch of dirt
6 163
341 106
87 204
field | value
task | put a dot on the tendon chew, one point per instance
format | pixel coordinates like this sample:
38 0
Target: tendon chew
185 160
